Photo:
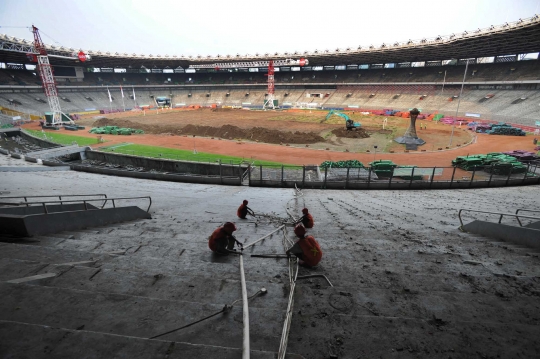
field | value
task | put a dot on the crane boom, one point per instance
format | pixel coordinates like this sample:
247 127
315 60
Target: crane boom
47 78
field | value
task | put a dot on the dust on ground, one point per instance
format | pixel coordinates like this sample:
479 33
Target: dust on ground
257 134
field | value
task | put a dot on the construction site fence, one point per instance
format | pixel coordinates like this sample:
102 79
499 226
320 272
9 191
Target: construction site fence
314 177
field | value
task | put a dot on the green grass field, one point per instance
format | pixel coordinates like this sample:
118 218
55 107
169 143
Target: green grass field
183 155
62 139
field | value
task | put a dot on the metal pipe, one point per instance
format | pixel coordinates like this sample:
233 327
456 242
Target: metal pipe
69 195
524 210
71 201
293 274
245 346
270 256
412 176
260 239
452 179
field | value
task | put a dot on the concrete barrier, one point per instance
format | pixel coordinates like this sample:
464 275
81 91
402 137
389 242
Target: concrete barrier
199 168
225 180
40 224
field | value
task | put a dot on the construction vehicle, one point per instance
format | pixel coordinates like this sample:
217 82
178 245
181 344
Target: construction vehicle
349 124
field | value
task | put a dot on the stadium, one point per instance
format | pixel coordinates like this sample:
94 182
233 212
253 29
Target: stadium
430 250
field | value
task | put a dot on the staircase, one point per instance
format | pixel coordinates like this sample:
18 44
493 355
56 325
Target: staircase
407 282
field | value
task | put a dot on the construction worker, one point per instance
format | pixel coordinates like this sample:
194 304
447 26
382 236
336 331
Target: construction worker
222 240
244 210
307 249
306 219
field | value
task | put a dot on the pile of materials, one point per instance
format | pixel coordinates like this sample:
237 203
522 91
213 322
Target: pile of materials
115 130
483 128
505 129
342 164
383 168
495 162
469 163
522 155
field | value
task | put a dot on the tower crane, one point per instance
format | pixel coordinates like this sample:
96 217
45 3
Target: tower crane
47 76
269 101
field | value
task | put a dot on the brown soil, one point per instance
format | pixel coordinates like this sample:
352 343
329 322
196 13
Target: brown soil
258 134
292 155
159 128
359 133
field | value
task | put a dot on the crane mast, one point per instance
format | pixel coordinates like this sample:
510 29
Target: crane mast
47 78
269 100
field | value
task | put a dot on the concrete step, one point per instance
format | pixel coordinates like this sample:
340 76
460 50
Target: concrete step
42 341
44 254
454 307
352 336
155 285
138 316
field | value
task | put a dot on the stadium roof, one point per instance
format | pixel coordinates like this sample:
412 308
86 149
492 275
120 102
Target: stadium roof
520 37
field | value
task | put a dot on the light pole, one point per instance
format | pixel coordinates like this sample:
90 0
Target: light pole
459 100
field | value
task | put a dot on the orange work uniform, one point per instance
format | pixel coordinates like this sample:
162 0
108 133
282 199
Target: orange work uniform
220 240
312 253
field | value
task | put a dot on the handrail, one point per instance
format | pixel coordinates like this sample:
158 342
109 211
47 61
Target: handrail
525 210
44 204
59 196
500 218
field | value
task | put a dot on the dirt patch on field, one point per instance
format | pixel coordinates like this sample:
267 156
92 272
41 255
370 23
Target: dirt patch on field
258 134
342 132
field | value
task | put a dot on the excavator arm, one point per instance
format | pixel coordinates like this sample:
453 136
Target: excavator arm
349 124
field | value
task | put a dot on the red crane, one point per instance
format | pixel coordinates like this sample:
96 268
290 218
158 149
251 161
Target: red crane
269 101
47 78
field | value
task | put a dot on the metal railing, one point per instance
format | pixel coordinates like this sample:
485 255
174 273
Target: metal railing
54 196
84 201
524 210
396 178
501 215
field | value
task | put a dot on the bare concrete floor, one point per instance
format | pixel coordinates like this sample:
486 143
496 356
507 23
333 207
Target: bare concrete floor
407 282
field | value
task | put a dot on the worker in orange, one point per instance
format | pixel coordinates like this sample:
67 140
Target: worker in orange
306 219
307 249
222 240
244 210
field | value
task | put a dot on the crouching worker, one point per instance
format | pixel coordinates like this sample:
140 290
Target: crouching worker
222 240
306 248
244 210
306 219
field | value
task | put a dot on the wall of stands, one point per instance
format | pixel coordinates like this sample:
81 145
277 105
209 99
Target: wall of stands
501 105
510 71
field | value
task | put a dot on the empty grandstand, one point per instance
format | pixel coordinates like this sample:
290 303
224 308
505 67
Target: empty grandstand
502 83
